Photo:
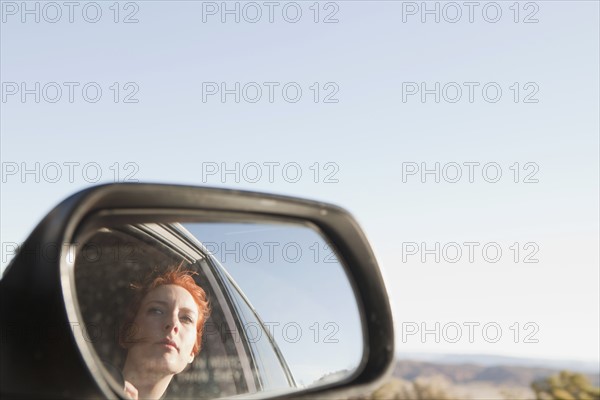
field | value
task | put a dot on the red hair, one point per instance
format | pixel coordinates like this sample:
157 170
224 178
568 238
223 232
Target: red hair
173 275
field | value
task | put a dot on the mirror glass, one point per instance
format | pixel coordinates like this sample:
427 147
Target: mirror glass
283 314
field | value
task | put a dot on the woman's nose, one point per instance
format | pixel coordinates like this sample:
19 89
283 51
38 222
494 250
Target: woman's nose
172 324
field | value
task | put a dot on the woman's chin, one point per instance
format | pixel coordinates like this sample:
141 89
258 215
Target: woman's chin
168 364
157 360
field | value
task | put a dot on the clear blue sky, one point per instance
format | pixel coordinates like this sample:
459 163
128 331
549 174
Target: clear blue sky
307 305
371 61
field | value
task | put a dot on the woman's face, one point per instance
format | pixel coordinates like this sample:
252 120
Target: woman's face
165 330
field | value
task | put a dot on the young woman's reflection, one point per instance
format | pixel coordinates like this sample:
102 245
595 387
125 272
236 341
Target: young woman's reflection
162 331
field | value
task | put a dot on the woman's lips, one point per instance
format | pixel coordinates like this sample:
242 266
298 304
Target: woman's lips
168 343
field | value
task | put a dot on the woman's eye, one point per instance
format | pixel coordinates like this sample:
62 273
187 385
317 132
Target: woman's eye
154 310
187 319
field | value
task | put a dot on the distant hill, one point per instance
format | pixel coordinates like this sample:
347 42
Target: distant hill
468 373
586 367
478 381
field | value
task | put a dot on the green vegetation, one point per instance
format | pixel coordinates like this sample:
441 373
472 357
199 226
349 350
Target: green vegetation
565 386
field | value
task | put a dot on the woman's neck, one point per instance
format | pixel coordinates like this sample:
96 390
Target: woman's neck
149 384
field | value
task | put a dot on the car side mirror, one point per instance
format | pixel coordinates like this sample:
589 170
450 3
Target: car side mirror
203 292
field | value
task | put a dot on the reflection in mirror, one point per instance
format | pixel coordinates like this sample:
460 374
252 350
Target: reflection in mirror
281 312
